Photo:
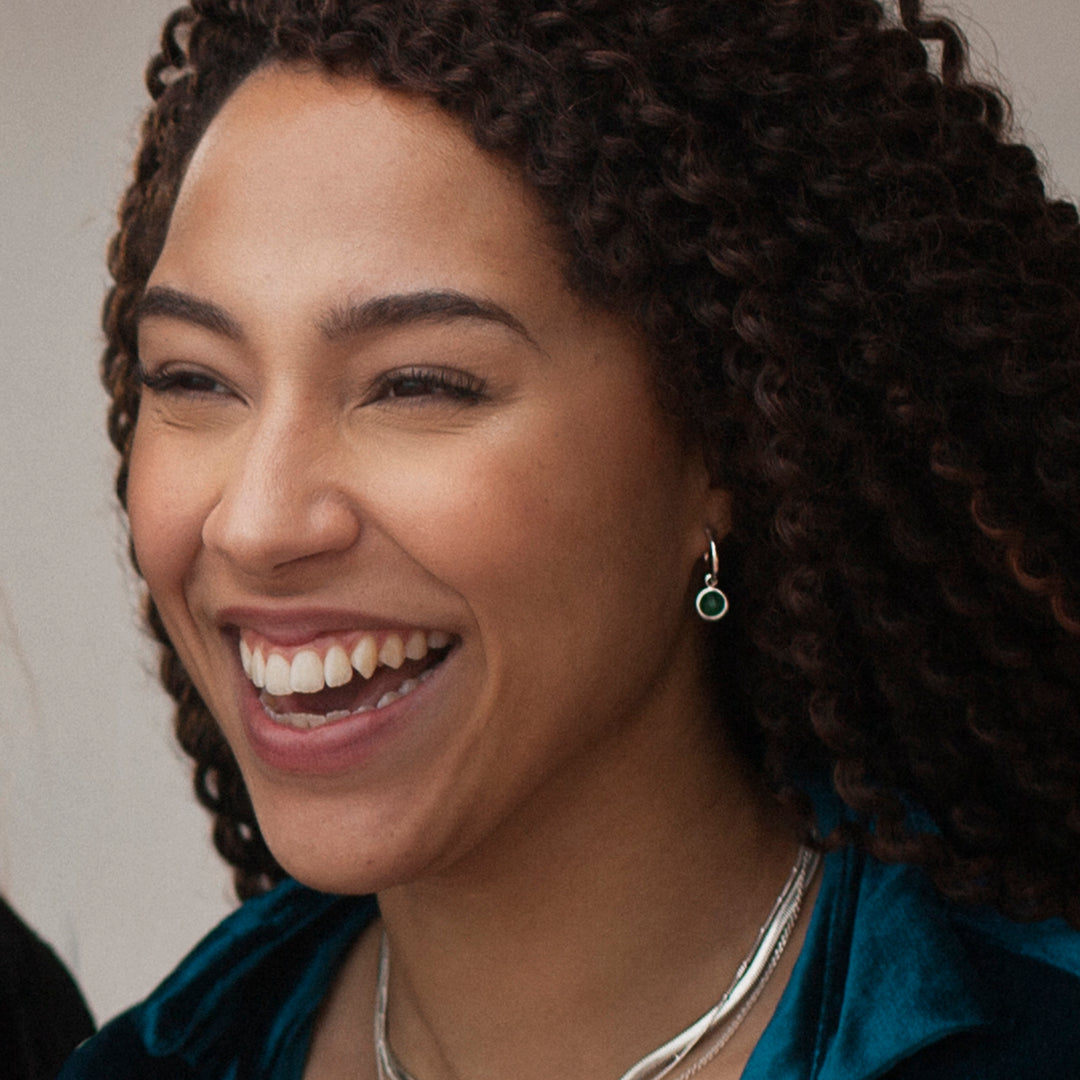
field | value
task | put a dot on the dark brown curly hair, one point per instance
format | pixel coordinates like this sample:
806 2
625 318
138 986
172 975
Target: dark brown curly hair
859 299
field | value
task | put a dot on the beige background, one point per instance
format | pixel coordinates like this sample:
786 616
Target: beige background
101 845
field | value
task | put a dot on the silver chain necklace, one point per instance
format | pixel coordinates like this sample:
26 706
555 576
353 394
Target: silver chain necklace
706 1035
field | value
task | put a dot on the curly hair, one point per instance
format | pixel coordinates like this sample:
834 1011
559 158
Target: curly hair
859 299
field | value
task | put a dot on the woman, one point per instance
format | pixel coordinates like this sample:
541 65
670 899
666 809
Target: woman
585 460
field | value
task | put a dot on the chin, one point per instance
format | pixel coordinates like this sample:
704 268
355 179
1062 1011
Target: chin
333 853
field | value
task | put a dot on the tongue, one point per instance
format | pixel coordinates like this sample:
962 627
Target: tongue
358 694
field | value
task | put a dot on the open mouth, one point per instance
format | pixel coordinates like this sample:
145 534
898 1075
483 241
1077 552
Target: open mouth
314 685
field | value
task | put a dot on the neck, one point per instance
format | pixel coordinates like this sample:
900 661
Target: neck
574 947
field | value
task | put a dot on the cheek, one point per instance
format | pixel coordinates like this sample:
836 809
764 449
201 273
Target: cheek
544 516
164 513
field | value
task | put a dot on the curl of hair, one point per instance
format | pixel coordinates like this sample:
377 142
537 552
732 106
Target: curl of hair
860 299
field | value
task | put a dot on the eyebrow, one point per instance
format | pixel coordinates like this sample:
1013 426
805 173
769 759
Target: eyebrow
351 319
165 302
400 309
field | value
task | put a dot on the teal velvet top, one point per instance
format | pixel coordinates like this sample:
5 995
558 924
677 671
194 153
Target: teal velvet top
892 981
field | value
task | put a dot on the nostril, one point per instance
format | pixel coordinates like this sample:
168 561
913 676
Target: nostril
261 535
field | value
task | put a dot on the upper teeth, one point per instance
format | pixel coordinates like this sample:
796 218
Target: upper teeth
309 671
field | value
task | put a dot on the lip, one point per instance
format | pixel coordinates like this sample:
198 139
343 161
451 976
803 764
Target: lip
298 626
333 748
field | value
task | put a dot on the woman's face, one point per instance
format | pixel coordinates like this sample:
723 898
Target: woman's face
389 468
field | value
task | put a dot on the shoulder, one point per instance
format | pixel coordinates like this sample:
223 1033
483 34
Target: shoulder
119 1052
1026 978
895 981
242 1002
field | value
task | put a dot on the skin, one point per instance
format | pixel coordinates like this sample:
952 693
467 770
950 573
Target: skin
534 816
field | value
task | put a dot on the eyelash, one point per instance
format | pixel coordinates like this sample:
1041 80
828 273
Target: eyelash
182 381
418 382
408 383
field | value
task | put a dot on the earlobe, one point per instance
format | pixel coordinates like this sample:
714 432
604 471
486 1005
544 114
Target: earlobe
713 499
718 513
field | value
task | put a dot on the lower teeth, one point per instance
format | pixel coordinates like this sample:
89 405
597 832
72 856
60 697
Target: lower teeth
306 721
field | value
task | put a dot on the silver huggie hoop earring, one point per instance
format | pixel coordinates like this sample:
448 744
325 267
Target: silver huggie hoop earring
711 603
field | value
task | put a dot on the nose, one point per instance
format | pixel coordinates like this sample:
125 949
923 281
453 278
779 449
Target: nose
279 503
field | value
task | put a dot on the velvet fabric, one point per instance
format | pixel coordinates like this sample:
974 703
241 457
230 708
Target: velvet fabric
892 982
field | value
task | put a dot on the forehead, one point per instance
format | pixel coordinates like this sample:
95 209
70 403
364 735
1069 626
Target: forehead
305 114
310 157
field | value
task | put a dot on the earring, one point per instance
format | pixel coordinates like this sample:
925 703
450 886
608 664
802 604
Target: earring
711 603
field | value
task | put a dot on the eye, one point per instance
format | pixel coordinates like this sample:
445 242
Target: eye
188 382
448 384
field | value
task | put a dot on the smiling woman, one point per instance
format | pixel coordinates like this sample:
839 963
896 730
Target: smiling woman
447 339
356 466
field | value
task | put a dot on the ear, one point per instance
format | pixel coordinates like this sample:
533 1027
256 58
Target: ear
709 509
718 512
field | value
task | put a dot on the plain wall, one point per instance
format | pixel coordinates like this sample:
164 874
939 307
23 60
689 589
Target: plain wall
101 845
